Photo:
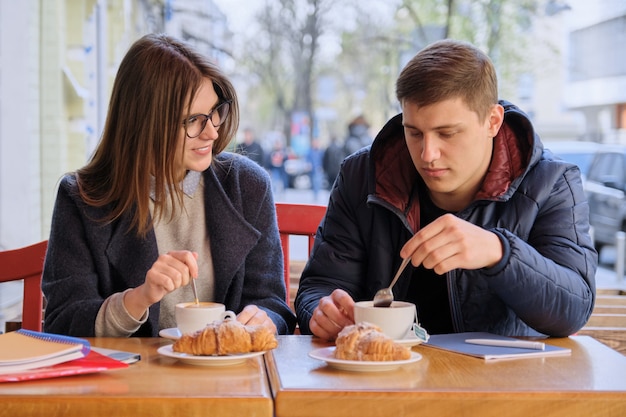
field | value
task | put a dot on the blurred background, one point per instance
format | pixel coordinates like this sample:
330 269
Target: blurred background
315 79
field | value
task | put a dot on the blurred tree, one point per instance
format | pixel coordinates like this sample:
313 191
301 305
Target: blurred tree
367 67
499 27
284 56
288 53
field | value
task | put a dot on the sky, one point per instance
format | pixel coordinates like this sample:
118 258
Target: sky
240 15
239 12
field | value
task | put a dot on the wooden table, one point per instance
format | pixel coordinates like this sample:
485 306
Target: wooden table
589 382
154 386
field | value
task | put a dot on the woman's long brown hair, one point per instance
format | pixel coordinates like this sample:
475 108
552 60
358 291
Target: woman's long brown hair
155 85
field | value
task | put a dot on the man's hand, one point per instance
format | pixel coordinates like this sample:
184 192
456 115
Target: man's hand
449 243
332 314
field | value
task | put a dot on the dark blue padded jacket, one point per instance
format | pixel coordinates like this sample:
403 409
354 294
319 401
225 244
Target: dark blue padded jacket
545 282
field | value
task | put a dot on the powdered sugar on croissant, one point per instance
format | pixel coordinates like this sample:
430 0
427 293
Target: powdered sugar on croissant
226 337
366 342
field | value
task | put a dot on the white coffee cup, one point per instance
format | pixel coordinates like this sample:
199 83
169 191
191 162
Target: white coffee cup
395 320
191 317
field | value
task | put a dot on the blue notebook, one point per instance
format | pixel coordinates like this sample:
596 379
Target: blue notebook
456 342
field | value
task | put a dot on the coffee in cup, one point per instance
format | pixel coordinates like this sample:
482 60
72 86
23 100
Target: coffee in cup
191 317
395 320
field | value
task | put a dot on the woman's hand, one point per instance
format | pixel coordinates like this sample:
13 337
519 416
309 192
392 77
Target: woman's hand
171 270
253 315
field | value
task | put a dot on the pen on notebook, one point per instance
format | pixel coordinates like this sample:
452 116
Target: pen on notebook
523 344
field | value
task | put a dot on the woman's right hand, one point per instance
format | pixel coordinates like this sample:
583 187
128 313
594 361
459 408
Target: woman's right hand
171 270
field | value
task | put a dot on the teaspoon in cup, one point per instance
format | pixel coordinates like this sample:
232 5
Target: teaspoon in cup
195 291
384 296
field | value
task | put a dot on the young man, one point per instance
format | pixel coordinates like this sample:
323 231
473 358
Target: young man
497 230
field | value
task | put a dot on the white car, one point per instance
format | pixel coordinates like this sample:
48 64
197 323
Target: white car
580 153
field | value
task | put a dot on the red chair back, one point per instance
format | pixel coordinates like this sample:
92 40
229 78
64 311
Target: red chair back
26 264
297 219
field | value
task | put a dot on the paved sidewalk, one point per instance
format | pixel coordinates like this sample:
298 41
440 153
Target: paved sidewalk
607 279
302 196
606 275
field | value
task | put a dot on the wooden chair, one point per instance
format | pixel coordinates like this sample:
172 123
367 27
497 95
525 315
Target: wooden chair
26 264
606 320
611 299
300 220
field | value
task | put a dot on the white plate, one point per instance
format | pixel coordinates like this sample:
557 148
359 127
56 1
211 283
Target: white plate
328 355
171 333
207 360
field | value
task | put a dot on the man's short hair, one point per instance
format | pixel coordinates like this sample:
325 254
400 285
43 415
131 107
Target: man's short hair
449 69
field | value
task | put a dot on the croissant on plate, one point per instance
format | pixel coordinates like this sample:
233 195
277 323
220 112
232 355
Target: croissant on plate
226 337
366 342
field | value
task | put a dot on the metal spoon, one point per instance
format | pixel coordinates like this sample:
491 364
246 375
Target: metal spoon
384 297
195 291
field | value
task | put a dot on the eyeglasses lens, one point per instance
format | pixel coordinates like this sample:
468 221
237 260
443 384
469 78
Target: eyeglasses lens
196 124
218 115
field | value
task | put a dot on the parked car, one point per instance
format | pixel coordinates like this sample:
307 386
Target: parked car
606 192
580 153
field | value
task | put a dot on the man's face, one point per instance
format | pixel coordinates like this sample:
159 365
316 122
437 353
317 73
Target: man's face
450 148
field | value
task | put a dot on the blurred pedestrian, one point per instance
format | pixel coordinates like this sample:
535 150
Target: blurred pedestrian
358 135
276 166
315 156
331 161
250 147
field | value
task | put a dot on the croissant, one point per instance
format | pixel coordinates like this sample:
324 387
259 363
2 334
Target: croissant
366 342
226 337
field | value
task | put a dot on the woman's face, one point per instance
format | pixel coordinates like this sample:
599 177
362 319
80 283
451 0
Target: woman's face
198 151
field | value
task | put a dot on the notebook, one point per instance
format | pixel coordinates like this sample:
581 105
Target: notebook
455 342
25 349
92 363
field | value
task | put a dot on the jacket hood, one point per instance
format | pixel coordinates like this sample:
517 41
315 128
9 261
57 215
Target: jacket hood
393 175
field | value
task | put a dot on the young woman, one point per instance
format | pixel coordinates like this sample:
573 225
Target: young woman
160 204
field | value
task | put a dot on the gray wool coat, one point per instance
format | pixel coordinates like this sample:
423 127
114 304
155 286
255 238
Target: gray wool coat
88 260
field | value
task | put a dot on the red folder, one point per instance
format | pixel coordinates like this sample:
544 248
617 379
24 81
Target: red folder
93 362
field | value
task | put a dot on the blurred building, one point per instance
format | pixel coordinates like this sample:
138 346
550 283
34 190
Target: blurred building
58 60
57 63
596 67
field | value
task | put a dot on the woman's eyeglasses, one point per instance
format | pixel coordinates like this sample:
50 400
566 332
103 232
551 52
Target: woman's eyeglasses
195 124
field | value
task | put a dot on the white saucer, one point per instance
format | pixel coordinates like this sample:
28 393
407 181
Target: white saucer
328 355
410 339
207 360
171 333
